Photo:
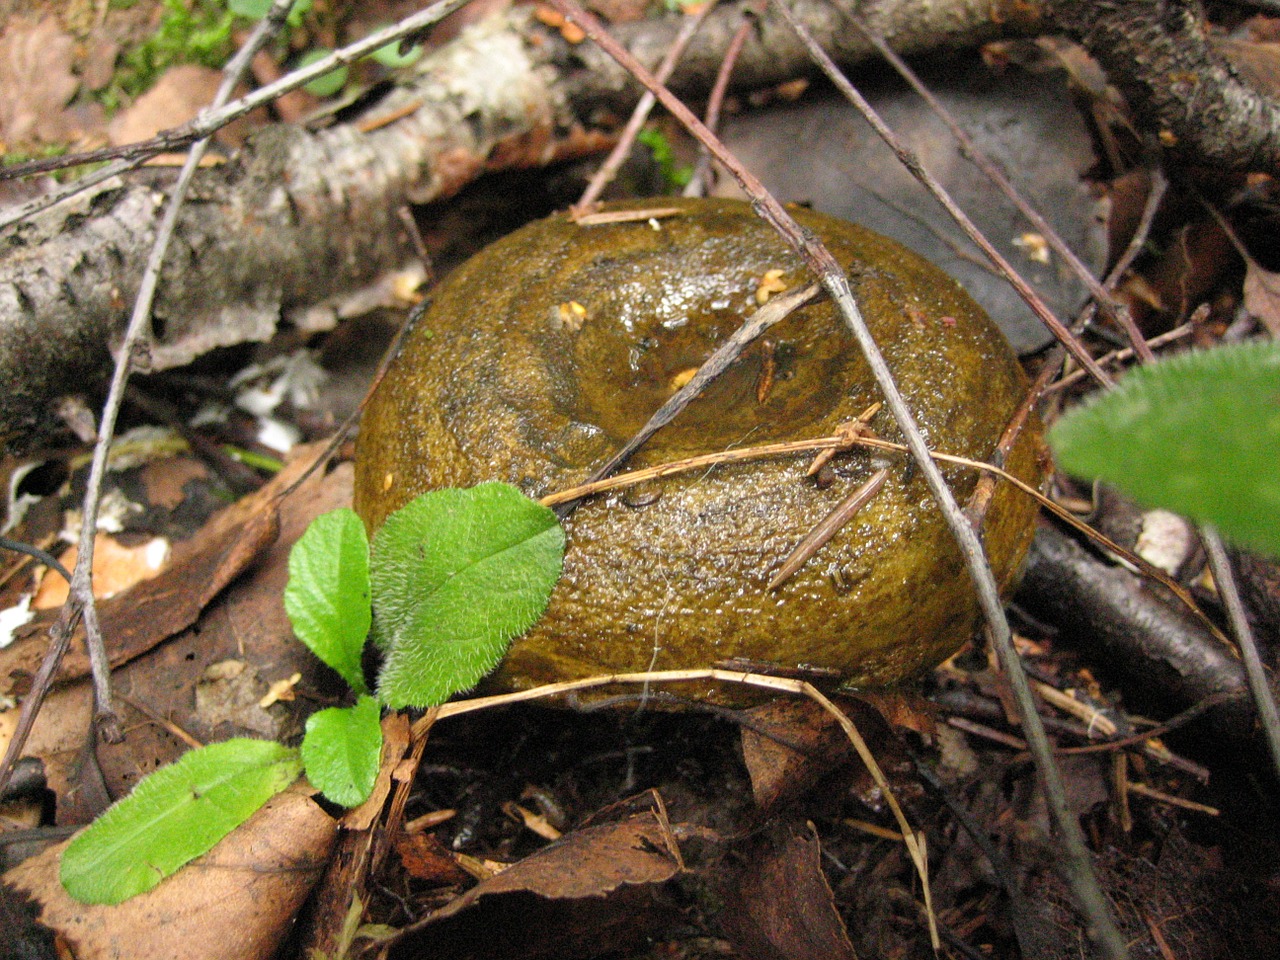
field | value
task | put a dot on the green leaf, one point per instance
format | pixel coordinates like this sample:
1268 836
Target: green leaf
1198 434
327 596
456 574
392 58
173 816
664 156
341 751
327 84
257 9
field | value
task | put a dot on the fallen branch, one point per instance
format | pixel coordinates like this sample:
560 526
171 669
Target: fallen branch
302 227
1159 54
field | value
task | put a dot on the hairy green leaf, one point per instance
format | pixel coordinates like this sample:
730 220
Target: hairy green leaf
1198 434
341 751
327 596
456 575
173 816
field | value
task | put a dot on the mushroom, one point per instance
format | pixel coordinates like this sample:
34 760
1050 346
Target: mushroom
545 352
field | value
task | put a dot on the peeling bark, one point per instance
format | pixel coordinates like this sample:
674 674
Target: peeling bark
301 227
1159 55
291 229
773 53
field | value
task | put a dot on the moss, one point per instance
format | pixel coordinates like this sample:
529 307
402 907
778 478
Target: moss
500 383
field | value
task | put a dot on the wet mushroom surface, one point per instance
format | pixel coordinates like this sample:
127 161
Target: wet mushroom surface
544 353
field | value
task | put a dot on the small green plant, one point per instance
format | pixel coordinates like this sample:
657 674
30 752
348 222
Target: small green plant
327 84
673 175
453 577
1198 434
198 32
257 9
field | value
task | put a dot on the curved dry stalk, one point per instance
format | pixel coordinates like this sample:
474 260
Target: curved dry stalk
843 442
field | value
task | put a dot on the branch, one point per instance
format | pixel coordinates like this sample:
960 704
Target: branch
301 227
1158 53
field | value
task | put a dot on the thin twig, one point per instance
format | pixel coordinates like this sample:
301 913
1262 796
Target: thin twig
1102 297
698 185
980 500
44 556
80 601
1254 671
1225 579
911 161
828 527
1150 207
41 683
1019 910
1173 723
23 211
622 149
1120 356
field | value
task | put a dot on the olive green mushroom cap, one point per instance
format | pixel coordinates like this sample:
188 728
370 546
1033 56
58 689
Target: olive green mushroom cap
545 352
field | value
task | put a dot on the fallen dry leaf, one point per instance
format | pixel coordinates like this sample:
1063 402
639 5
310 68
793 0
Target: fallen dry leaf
36 83
588 894
789 745
135 621
235 903
781 907
246 622
425 858
115 568
1262 296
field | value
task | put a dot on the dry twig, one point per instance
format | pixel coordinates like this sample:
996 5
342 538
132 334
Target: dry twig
1100 926
80 601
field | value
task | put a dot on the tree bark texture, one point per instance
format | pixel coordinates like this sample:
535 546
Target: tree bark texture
301 227
1158 54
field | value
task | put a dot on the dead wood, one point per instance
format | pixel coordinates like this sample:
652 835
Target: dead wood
1164 657
1160 55
301 227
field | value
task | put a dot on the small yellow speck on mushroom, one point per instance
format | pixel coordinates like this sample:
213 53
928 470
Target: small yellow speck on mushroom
770 284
